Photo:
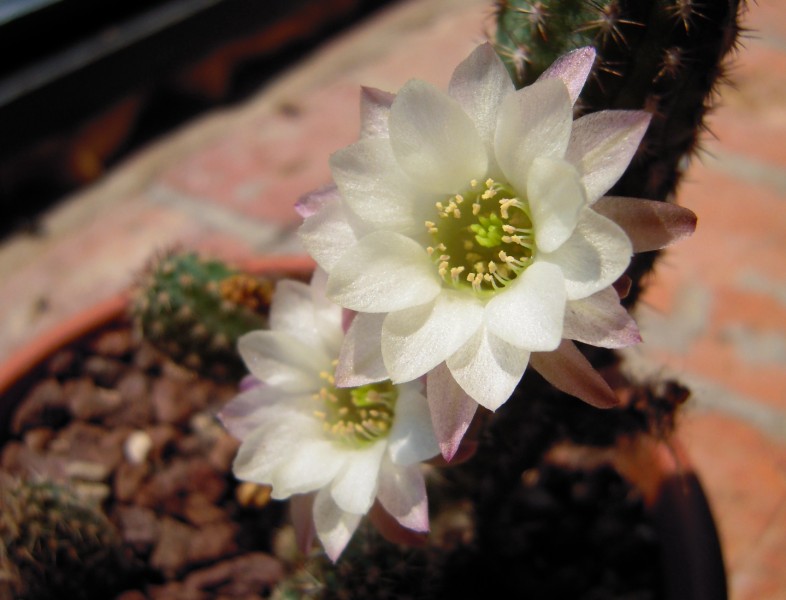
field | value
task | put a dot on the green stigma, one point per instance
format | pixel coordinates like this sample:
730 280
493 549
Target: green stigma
356 416
483 239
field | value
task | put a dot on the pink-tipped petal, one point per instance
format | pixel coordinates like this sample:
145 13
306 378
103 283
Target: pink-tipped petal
327 233
360 361
600 320
402 492
650 225
311 203
392 530
567 370
488 368
374 112
248 382
534 121
451 409
573 69
479 84
301 510
602 145
334 527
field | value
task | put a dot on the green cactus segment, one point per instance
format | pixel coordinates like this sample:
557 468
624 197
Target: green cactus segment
52 545
663 56
531 35
195 310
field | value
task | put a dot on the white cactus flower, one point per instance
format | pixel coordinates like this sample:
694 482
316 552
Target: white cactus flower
335 451
470 232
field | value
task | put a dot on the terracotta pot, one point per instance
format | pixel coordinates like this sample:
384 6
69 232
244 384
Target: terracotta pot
27 364
691 553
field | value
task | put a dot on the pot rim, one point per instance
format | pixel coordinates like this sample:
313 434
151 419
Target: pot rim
27 361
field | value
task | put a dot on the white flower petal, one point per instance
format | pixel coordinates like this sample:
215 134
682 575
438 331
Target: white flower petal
374 112
534 121
402 493
310 465
271 443
451 409
328 316
293 311
567 370
528 314
556 198
650 224
479 84
250 409
412 438
383 272
417 339
488 368
374 187
334 526
281 360
355 487
328 233
573 69
600 320
596 254
434 140
360 361
602 145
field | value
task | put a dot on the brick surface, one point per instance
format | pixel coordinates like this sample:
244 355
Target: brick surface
714 314
261 169
752 120
744 474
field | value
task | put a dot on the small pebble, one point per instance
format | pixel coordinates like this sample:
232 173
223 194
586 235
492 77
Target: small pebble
137 447
87 471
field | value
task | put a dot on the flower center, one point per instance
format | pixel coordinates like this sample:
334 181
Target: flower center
359 415
483 238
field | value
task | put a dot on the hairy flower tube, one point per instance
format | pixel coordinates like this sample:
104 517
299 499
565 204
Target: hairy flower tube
334 451
470 231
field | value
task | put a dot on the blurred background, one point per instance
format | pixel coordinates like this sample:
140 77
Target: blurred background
128 127
84 82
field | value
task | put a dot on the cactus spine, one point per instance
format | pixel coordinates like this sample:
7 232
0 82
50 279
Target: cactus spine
662 56
195 309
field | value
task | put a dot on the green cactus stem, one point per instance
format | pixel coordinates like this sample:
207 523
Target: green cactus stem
195 309
53 545
663 56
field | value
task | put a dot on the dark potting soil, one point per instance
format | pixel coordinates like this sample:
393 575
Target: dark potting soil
128 430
